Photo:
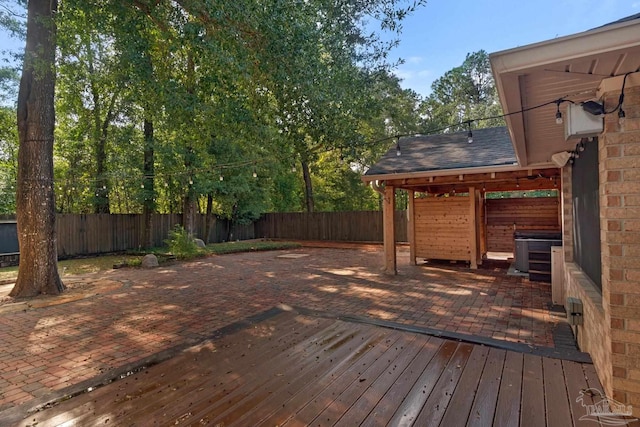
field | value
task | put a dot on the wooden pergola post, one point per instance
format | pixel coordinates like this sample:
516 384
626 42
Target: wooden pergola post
473 229
389 232
411 227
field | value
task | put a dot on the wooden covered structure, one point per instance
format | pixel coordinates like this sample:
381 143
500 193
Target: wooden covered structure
446 178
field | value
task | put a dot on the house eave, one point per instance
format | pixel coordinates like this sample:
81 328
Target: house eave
592 42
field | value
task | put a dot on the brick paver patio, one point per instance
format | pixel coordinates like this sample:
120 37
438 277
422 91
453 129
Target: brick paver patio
116 318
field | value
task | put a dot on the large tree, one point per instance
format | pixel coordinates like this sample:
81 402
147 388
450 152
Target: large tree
464 93
35 201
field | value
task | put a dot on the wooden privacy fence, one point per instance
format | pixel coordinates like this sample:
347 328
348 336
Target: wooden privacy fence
504 216
80 234
85 234
363 226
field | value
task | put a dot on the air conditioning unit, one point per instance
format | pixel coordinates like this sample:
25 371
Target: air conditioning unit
580 124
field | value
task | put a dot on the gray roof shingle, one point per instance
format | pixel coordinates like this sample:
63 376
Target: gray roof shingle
490 147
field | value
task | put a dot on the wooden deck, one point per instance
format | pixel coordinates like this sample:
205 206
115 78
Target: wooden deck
298 370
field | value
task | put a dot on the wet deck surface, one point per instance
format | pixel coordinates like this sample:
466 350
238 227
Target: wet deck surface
299 369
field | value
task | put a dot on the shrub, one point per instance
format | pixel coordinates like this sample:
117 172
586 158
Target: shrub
181 244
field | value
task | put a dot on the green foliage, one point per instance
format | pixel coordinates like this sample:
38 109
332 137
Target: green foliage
182 245
250 246
231 88
464 93
521 194
8 160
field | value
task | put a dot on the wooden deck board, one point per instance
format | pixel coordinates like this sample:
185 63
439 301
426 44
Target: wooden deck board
315 387
345 401
532 403
576 382
434 408
296 370
372 396
388 405
301 385
484 405
418 395
458 410
328 396
508 406
557 408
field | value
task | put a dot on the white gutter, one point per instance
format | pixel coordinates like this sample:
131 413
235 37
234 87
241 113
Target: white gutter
601 40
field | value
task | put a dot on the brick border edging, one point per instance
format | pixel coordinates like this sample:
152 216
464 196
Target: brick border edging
550 352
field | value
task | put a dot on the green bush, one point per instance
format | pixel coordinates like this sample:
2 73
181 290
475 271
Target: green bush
181 244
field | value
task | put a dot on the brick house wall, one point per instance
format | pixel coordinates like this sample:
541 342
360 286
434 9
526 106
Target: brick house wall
593 336
620 221
611 328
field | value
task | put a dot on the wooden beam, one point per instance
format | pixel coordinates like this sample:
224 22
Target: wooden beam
389 234
483 223
411 227
533 175
473 229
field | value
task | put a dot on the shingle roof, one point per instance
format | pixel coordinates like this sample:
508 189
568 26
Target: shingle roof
490 147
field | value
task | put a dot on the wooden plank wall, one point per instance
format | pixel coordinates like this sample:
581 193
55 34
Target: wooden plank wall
442 228
363 226
504 216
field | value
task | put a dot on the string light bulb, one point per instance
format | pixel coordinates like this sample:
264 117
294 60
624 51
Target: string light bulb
558 113
621 116
469 134
398 152
255 174
221 178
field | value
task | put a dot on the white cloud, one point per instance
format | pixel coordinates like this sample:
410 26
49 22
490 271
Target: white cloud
414 60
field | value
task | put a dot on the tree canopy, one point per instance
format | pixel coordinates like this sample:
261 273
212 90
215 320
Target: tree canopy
228 108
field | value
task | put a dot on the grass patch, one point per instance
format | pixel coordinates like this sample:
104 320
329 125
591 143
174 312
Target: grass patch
250 246
80 265
134 258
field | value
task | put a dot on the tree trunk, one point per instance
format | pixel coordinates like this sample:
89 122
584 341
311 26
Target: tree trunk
189 200
35 201
149 204
209 219
308 188
102 192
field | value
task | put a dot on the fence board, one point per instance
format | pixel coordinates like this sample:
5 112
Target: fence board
362 226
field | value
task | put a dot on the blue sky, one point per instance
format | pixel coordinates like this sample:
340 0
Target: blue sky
437 37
